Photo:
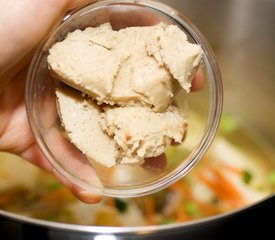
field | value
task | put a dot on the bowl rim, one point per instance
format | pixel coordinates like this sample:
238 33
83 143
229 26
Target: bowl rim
216 89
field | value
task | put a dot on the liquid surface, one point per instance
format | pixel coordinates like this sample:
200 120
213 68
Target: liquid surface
236 171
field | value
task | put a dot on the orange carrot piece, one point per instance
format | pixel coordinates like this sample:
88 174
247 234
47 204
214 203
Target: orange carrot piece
232 169
110 202
223 188
150 209
230 189
57 195
5 200
183 189
182 216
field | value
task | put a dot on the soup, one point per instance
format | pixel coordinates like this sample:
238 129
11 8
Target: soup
236 171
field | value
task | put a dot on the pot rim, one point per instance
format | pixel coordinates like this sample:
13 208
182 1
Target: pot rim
136 229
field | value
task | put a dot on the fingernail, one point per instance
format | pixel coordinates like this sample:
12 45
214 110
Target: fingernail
89 197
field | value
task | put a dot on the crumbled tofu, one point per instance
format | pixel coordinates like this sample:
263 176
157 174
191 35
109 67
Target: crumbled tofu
81 119
135 65
83 64
131 77
140 133
171 49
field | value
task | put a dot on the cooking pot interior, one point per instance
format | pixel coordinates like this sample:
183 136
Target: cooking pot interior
242 36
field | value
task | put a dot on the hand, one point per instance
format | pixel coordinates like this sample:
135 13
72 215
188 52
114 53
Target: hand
23 25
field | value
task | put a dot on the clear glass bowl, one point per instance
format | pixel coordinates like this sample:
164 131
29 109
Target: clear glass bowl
203 107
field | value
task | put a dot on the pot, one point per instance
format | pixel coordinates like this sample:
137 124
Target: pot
242 35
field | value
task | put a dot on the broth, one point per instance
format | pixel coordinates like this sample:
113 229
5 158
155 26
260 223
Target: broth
236 171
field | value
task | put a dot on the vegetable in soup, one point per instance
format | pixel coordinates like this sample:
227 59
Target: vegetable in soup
236 171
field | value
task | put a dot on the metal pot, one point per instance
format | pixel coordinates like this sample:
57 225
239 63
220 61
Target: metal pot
242 35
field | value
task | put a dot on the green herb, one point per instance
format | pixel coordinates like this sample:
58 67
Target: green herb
175 154
50 217
192 209
55 185
271 178
247 177
228 124
168 221
121 205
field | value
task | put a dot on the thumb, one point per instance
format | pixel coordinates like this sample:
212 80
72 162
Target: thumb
25 23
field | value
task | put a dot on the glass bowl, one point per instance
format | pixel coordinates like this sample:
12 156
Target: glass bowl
203 107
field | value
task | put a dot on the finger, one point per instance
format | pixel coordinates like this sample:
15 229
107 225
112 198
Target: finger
64 153
11 140
16 137
198 81
13 118
34 155
155 164
78 3
83 195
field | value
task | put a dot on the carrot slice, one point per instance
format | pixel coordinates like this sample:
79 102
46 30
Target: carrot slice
224 189
150 209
